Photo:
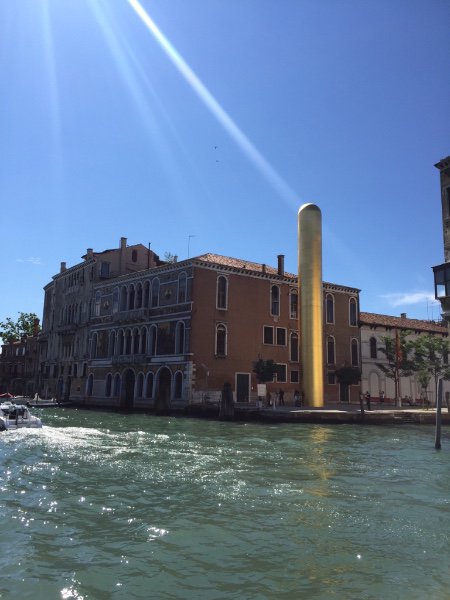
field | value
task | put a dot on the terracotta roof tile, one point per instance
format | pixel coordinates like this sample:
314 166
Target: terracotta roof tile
402 323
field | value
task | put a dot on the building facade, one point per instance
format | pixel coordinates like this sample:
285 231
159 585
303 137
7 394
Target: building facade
173 333
374 328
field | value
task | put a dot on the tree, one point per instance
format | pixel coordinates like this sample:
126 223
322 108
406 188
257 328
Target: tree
398 361
347 376
265 370
11 331
431 358
169 257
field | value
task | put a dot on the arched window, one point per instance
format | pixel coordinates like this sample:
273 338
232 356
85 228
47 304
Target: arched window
108 385
353 312
123 298
112 344
275 301
89 385
144 340
222 292
115 302
149 386
178 385
155 292
331 354
355 353
329 308
147 294
139 385
139 295
131 297
98 296
373 347
136 341
94 346
179 338
293 304
117 384
182 283
128 341
120 343
221 340
153 336
293 350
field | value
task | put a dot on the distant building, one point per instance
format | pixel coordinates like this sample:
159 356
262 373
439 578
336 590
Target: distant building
169 334
19 365
374 328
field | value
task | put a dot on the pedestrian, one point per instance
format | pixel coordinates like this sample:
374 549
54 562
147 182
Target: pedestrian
367 396
281 397
296 398
382 397
274 401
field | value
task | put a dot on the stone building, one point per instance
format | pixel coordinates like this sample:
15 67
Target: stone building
19 366
174 333
69 303
374 328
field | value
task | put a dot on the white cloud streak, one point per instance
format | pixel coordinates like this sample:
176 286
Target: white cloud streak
408 298
34 260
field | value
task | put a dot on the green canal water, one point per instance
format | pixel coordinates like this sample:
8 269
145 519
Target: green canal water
100 505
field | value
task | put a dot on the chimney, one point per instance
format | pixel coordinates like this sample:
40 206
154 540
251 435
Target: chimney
89 253
281 265
263 268
63 267
123 242
35 327
175 258
123 256
403 316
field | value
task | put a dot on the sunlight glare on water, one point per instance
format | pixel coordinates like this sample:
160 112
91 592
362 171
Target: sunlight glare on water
101 505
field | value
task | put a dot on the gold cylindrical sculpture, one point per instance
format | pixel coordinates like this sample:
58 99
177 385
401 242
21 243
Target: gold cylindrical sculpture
310 292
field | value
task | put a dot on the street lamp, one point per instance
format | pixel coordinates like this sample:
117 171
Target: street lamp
441 293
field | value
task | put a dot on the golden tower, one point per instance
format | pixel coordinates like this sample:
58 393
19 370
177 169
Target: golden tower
310 292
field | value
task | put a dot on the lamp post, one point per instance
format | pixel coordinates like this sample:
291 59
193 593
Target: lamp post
441 293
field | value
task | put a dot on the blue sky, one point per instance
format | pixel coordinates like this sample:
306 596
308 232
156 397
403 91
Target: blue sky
219 124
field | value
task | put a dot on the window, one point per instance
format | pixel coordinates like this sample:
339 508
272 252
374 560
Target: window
108 385
329 307
134 256
281 336
281 373
123 298
115 306
117 384
353 316
139 295
155 293
294 377
221 340
331 358
131 295
293 349
147 294
178 385
149 386
275 301
331 378
182 281
104 269
373 347
139 385
179 339
144 340
94 346
293 304
222 292
153 340
268 334
355 353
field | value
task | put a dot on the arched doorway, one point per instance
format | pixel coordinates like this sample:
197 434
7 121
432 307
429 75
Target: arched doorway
163 390
127 396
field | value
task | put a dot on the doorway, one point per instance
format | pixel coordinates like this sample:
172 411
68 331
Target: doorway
242 387
163 390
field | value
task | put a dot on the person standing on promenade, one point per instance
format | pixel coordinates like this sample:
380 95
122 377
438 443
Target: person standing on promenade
367 396
382 397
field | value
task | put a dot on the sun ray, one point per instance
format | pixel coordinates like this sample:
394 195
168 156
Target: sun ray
258 160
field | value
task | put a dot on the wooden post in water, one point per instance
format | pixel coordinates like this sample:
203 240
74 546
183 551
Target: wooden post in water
437 437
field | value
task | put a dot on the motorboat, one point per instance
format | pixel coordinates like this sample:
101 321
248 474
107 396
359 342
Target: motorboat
17 416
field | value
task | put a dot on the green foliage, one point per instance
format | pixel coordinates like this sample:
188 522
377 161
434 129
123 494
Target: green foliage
264 369
431 357
11 331
397 352
348 375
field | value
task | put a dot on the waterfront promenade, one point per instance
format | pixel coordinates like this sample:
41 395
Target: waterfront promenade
337 413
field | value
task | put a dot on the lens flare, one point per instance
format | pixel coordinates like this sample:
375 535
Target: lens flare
216 109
